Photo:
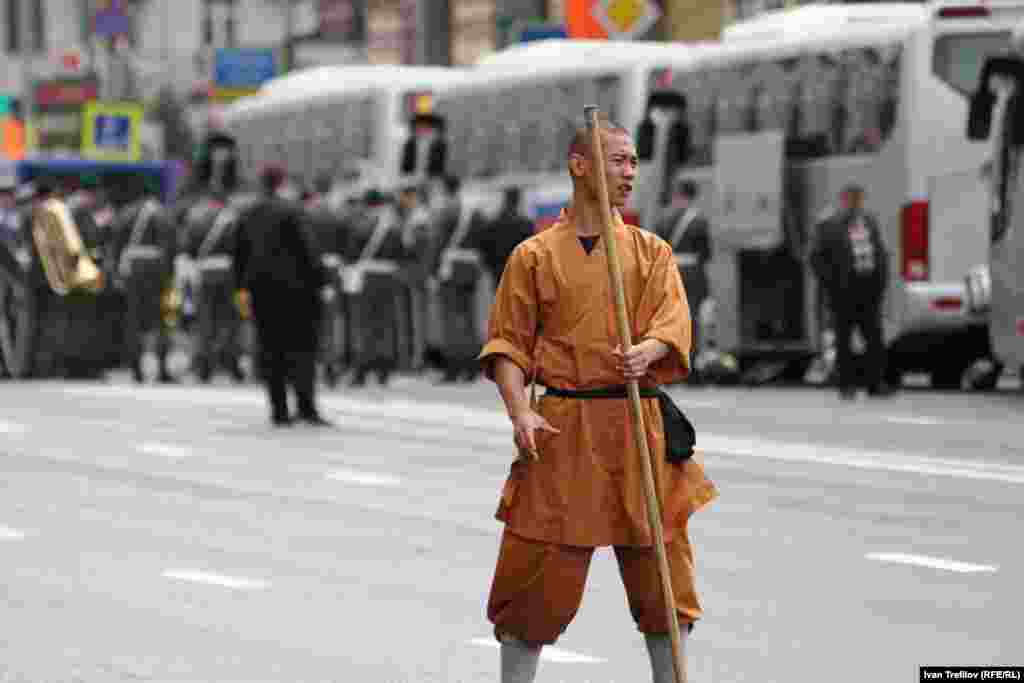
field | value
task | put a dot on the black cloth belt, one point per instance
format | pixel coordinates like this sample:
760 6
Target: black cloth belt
680 436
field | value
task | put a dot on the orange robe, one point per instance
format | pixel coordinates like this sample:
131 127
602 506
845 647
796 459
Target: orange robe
554 315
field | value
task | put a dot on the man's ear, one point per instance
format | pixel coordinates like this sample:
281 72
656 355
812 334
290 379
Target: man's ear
577 165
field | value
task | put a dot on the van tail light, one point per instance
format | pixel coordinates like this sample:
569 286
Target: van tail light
914 232
969 12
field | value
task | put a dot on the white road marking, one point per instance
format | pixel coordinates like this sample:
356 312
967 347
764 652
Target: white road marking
932 562
238 582
549 653
12 427
164 450
402 417
890 461
364 478
9 534
910 420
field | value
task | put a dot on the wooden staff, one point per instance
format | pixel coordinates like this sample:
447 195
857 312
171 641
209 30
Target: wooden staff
639 431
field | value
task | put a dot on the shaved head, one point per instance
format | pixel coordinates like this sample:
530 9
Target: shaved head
581 137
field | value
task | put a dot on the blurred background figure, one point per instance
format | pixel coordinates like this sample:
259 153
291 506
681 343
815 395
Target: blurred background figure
499 237
10 221
277 261
417 248
688 231
144 247
852 267
373 289
208 242
458 268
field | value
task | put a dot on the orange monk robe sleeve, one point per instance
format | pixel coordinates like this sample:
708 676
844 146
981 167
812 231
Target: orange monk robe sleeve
512 328
664 314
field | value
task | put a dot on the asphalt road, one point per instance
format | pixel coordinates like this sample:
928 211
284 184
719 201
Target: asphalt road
168 534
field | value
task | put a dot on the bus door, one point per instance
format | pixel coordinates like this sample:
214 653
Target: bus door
1003 296
757 283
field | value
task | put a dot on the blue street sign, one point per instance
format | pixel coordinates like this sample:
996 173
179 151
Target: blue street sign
244 67
112 132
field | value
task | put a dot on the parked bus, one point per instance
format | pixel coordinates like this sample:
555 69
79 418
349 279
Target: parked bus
509 122
998 287
793 105
351 122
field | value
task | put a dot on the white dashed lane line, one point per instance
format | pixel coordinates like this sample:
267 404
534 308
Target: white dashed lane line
550 654
9 534
932 563
234 582
12 428
164 450
365 478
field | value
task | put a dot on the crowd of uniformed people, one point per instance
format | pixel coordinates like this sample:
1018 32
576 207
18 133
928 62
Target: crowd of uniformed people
406 275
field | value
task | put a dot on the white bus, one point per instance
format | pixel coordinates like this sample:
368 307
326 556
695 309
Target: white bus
509 123
793 105
350 122
996 114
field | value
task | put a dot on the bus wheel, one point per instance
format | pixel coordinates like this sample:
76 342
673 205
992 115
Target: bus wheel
17 329
948 378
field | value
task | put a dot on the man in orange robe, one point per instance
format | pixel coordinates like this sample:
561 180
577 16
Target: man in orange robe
579 482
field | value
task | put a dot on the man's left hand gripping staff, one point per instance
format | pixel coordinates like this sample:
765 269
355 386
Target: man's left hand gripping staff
635 363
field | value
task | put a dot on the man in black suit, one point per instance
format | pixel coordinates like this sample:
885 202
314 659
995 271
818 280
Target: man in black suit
852 266
277 261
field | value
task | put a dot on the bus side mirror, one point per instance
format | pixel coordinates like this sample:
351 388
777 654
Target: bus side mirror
437 158
409 156
979 116
645 139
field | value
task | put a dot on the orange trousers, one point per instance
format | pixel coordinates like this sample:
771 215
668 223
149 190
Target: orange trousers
538 587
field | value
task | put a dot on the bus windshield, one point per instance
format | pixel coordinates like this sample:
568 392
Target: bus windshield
958 57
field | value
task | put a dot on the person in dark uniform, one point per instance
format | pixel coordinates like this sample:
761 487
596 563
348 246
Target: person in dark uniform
209 241
686 229
276 259
418 241
852 267
458 268
498 238
373 286
144 248
329 228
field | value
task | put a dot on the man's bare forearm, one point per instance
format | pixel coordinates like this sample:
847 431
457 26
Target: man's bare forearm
511 381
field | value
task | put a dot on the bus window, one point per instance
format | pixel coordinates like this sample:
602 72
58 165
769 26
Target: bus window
734 113
871 95
699 90
957 58
606 93
774 97
818 107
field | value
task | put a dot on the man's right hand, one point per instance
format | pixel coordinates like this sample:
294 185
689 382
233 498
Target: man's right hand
524 425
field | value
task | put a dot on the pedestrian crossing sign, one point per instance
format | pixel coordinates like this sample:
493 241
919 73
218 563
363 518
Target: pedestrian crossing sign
626 19
111 131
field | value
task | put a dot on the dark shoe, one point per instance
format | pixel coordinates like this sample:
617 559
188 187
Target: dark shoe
167 378
848 394
384 376
282 421
881 391
358 380
449 377
236 373
137 373
316 421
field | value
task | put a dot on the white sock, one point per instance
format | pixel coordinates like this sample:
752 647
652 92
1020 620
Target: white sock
518 660
659 647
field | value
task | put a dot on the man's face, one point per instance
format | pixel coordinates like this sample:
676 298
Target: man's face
621 164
